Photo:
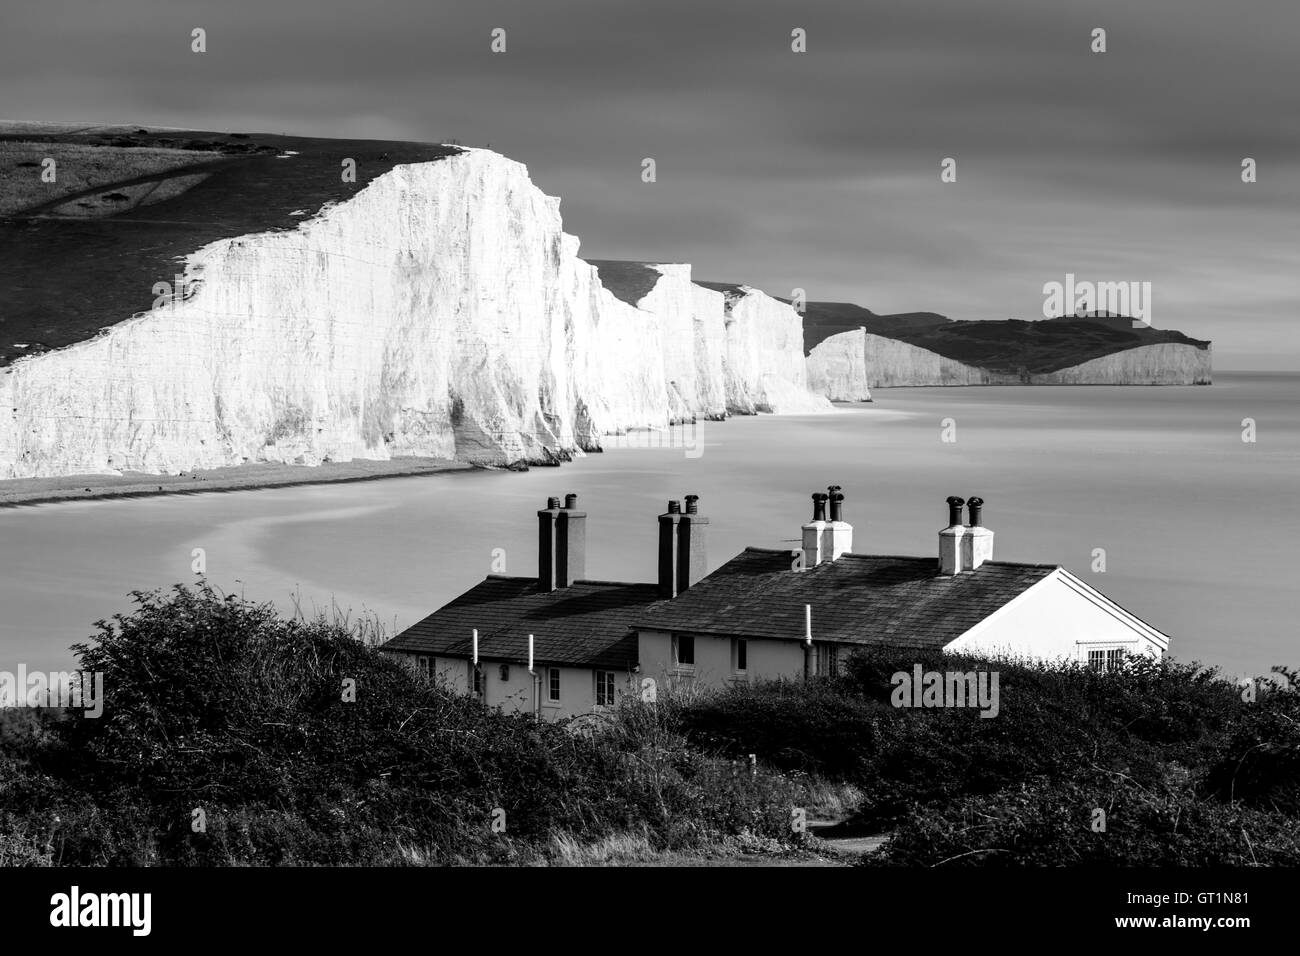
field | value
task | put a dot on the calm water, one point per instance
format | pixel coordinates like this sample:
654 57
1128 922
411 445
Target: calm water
1201 530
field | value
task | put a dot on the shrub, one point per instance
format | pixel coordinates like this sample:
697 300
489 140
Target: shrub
216 705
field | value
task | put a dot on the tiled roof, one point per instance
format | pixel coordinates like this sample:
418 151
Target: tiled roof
858 598
583 625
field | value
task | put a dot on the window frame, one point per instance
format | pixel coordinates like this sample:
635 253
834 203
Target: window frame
740 655
553 687
1102 658
677 651
828 659
606 681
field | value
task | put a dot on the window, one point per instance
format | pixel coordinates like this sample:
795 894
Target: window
684 650
1108 659
741 654
477 680
553 684
605 688
426 666
828 660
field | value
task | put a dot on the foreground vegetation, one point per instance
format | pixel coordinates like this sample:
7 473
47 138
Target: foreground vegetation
226 738
231 736
1156 764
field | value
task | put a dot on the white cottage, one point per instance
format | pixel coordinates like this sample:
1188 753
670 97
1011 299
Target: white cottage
560 645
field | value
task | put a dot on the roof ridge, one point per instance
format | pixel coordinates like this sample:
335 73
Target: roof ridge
894 557
618 584
935 558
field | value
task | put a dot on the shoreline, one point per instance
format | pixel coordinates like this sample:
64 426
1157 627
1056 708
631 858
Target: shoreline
20 492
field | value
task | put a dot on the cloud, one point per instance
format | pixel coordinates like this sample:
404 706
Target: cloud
819 170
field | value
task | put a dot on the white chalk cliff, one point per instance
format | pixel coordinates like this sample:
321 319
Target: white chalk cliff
837 367
1166 363
887 363
847 365
442 311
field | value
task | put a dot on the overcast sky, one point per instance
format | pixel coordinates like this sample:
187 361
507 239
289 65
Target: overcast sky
817 170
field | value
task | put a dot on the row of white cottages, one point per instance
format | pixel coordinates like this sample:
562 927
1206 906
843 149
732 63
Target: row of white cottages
560 645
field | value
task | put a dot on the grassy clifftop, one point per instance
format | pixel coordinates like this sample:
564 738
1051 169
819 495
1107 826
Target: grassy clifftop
127 204
1010 346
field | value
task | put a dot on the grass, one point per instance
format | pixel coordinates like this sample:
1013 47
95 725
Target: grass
79 168
628 281
1010 347
65 279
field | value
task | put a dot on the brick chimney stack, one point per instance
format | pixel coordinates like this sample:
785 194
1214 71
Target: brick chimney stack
570 543
683 547
546 520
692 545
668 551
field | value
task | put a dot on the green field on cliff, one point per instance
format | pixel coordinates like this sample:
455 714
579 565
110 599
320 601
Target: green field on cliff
1009 346
127 204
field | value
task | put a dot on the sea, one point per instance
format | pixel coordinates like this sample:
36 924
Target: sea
1178 503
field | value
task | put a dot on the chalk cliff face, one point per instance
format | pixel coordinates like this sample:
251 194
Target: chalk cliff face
673 299
846 365
892 363
763 363
442 311
837 367
1164 364
709 311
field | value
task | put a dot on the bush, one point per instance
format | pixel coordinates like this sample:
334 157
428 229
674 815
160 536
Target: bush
1188 769
221 711
1053 824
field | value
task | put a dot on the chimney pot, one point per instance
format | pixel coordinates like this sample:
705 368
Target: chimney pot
570 501
692 505
977 547
837 504
552 502
674 507
954 510
816 534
